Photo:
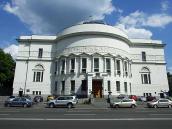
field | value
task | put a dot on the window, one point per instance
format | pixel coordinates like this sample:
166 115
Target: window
40 52
96 64
56 67
118 67
72 63
84 85
108 65
72 86
38 73
143 56
125 68
55 88
118 86
125 87
63 88
109 87
84 65
130 88
63 66
145 76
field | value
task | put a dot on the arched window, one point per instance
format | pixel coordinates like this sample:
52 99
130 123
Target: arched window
38 73
145 75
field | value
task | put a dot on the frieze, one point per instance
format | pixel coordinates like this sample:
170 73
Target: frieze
92 49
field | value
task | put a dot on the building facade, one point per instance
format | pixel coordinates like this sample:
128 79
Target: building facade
89 58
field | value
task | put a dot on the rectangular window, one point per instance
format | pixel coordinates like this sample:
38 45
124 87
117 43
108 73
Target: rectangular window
143 56
125 68
118 67
109 86
36 92
96 64
42 75
55 67
55 88
63 66
125 87
118 86
130 88
38 76
40 52
39 92
108 65
63 88
146 78
72 63
33 92
34 75
84 85
72 86
84 65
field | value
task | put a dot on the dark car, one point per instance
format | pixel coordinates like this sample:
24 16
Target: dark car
38 99
18 102
133 97
150 98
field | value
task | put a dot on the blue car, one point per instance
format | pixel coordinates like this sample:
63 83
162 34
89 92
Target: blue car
18 102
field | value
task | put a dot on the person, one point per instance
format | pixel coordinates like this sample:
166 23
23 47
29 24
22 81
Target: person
109 99
91 99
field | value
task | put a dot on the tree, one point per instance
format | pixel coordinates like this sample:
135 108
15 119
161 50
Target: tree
7 68
170 82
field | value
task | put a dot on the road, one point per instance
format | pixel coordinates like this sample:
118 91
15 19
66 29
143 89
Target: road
62 118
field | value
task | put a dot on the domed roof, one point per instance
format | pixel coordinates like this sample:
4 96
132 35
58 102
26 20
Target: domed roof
94 28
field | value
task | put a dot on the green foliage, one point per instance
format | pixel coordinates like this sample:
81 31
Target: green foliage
7 68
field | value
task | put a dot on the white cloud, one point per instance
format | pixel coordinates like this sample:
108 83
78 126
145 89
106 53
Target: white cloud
159 20
134 24
164 5
133 32
50 16
141 19
12 50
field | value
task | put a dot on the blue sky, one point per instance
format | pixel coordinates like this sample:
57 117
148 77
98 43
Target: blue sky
151 19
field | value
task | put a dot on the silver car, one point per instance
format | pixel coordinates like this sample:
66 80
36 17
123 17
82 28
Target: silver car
63 101
124 103
160 103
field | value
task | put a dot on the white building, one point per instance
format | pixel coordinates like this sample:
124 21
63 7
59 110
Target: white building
90 57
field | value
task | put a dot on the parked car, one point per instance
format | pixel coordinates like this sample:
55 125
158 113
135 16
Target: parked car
133 97
18 102
50 97
11 97
124 103
64 101
142 99
38 99
160 103
150 98
122 96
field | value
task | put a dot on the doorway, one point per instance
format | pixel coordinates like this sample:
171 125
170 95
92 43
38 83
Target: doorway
97 88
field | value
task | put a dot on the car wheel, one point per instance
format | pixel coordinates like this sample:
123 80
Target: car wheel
69 105
133 106
8 105
169 106
25 105
155 106
116 106
51 105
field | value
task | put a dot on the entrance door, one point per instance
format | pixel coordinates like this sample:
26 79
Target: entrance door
97 88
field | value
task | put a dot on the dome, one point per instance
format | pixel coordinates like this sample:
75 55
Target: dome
94 28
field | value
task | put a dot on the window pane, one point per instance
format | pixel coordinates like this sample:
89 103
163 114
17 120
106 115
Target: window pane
84 63
40 52
96 62
107 63
73 63
73 86
143 56
38 75
109 87
117 86
125 86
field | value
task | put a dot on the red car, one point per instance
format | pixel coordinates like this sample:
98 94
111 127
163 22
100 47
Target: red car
133 97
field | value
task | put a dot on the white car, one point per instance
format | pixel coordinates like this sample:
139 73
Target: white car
160 103
63 101
124 103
